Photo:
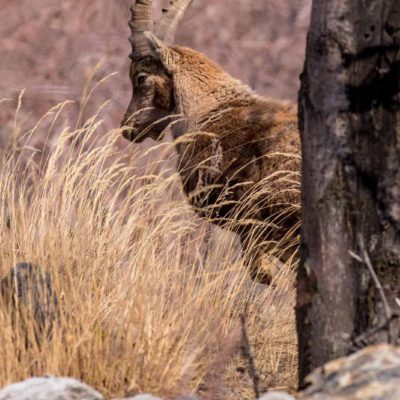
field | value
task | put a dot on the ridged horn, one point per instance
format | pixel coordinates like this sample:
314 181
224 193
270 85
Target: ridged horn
141 21
168 24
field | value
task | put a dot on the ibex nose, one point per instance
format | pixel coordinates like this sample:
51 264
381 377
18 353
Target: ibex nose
128 130
128 133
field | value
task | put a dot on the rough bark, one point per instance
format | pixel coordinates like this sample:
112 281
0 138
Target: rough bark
350 126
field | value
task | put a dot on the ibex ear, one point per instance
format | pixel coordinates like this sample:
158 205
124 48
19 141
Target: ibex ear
156 45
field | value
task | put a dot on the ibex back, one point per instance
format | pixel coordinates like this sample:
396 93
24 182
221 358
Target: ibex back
239 153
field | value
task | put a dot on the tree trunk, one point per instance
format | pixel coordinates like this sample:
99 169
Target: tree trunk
350 126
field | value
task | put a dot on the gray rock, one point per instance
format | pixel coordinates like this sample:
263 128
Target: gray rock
49 388
370 374
276 396
151 397
186 397
28 290
143 397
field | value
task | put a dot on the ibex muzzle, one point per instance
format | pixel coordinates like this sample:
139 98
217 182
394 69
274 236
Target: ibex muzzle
240 166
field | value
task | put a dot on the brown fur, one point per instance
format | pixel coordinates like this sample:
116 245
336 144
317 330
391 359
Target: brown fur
239 153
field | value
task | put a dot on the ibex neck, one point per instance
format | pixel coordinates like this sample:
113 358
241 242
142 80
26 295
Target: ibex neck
200 101
201 86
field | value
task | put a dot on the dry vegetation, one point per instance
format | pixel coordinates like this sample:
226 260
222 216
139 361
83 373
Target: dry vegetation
150 296
148 302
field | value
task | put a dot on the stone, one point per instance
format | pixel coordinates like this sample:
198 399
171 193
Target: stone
27 290
186 397
151 397
276 396
370 374
49 388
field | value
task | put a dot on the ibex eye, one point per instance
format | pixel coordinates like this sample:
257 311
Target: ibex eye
141 79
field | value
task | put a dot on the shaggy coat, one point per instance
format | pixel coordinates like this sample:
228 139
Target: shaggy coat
239 153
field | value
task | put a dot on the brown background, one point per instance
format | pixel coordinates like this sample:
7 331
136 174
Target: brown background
50 48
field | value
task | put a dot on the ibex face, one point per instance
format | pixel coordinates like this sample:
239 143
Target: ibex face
152 106
152 101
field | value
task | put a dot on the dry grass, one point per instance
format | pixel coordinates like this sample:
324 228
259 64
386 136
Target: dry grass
150 296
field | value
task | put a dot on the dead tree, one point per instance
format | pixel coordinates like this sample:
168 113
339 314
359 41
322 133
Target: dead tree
349 276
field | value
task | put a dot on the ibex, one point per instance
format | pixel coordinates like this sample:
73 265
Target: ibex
239 153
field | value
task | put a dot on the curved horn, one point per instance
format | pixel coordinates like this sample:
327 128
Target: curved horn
168 24
141 21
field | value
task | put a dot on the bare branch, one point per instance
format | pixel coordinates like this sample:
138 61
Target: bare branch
362 339
367 261
390 316
249 353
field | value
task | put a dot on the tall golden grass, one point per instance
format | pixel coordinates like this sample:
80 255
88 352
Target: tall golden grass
149 295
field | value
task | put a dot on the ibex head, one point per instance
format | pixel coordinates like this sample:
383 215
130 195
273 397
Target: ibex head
152 106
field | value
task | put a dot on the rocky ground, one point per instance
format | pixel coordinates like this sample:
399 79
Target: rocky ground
371 374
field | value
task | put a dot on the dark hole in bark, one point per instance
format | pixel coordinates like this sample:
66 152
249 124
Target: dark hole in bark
378 91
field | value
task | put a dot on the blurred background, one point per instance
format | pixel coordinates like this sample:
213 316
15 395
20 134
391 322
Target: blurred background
58 50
